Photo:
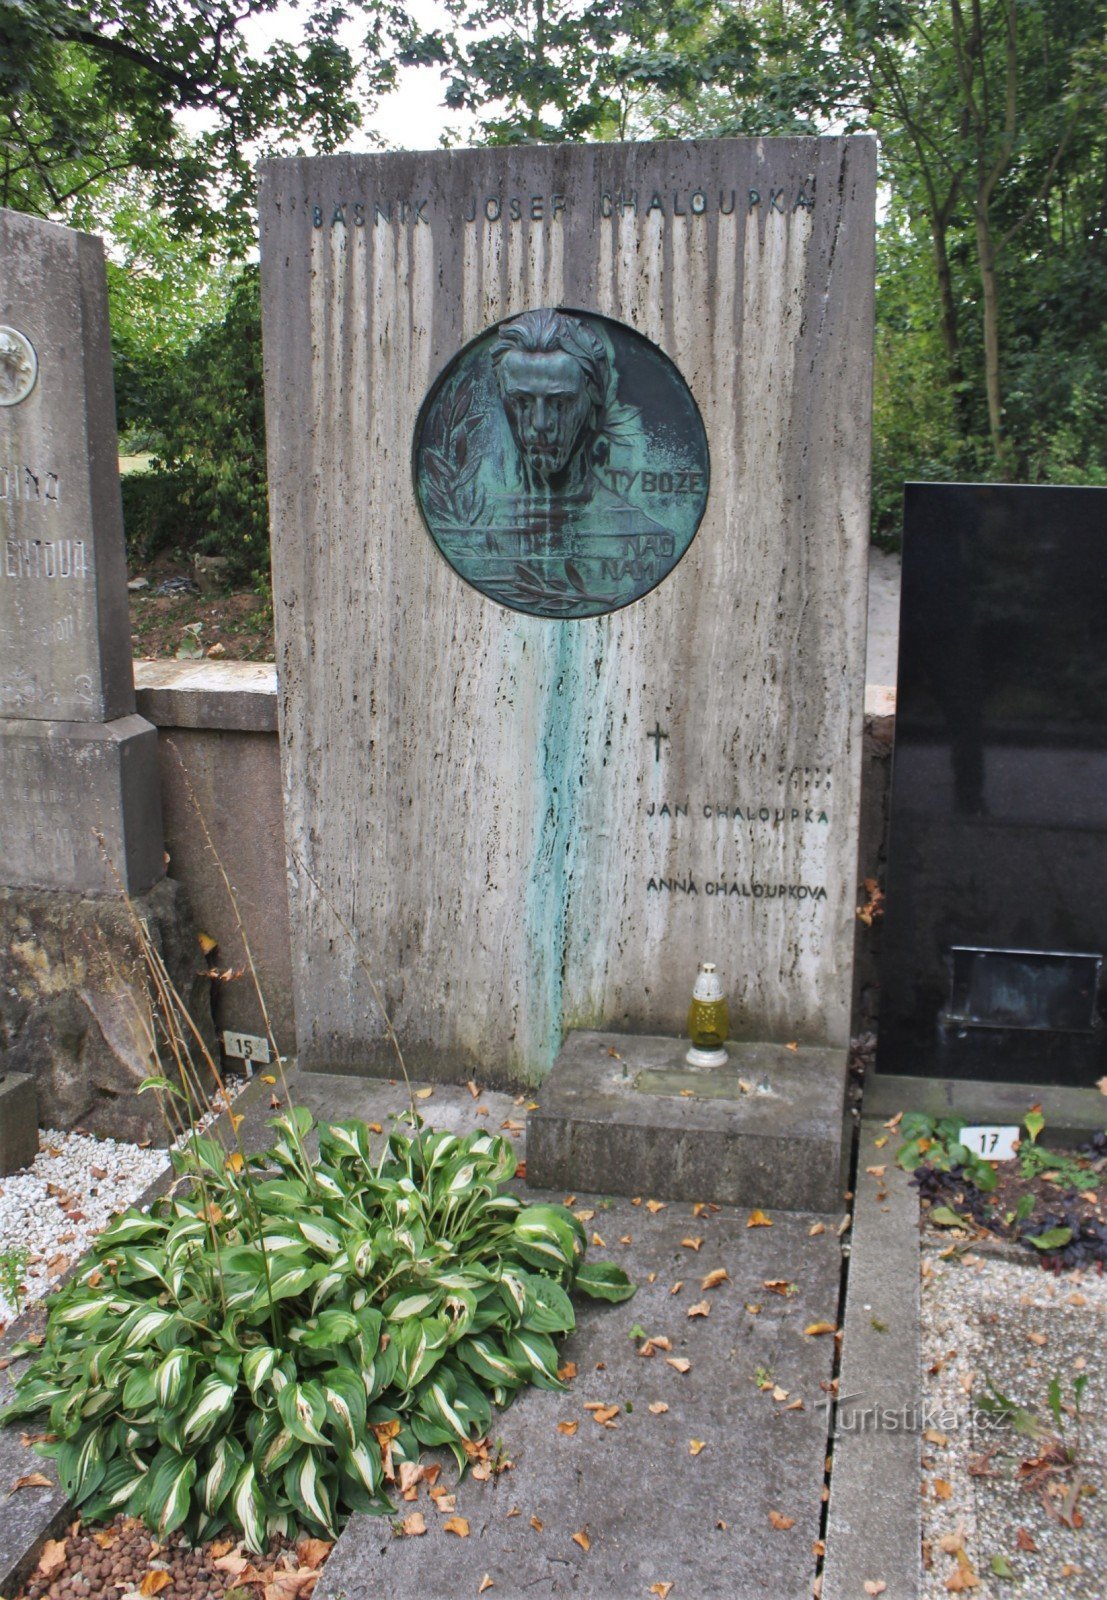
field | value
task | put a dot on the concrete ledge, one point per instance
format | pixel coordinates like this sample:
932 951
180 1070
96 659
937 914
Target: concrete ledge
1070 1113
239 696
622 1114
18 1121
875 1522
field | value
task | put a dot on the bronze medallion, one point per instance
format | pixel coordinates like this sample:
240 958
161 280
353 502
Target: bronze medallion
561 464
18 366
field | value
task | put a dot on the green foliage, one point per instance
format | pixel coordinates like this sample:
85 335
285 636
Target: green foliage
1067 1172
269 1341
13 1264
936 1140
92 90
207 489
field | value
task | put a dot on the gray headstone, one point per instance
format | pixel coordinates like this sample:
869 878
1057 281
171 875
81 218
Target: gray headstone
77 762
533 823
65 639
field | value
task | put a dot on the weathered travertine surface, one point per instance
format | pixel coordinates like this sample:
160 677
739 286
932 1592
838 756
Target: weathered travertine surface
65 638
477 792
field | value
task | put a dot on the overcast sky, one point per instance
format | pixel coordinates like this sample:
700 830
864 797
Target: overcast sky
411 118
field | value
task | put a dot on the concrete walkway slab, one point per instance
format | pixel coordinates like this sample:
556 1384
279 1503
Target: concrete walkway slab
650 1510
873 1530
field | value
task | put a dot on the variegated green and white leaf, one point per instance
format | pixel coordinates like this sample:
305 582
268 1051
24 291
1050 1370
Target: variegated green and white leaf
209 1405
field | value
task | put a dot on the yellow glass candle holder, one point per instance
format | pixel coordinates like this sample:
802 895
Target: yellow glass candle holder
708 1020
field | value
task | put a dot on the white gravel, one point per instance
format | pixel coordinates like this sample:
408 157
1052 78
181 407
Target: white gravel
55 1208
1018 1326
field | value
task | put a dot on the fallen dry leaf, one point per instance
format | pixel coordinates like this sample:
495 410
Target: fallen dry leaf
876 1172
813 1329
536 1525
375 1127
473 1090
655 1206
777 1285
753 1308
567 1370
758 1219
661 1590
485 1583
104 1538
677 1286
423 1094
31 1480
584 1216
290 1585
52 1558
679 1363
234 1564
658 1407
1101 1085
582 1539
713 1279
702 1308
1023 1541
815 1229
415 1525
313 1552
943 1489
568 1428
696 1445
598 1242
457 1525
605 1415
155 1581
652 1346
779 1521
692 1243
779 1393
875 1585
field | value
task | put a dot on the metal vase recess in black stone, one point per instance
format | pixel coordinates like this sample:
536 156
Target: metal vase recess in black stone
992 963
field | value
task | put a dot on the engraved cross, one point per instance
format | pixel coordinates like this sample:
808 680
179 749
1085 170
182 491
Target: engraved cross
657 737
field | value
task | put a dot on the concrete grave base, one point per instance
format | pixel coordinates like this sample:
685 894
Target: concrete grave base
18 1122
75 1002
62 784
624 1113
686 1494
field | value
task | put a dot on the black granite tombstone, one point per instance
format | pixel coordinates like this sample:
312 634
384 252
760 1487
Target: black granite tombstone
995 939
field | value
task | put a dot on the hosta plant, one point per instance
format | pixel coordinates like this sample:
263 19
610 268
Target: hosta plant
267 1345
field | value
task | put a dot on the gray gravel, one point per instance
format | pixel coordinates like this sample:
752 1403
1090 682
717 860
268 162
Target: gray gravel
1019 1327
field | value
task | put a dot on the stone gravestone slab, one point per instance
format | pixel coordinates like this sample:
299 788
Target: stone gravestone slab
76 759
568 463
995 940
80 810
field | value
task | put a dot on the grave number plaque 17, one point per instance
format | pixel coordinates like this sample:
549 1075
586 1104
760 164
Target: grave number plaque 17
561 464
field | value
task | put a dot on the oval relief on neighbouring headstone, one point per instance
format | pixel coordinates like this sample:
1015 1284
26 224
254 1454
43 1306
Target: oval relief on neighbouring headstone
18 366
561 464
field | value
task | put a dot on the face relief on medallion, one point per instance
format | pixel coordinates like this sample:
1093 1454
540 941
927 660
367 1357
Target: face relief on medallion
561 464
18 366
